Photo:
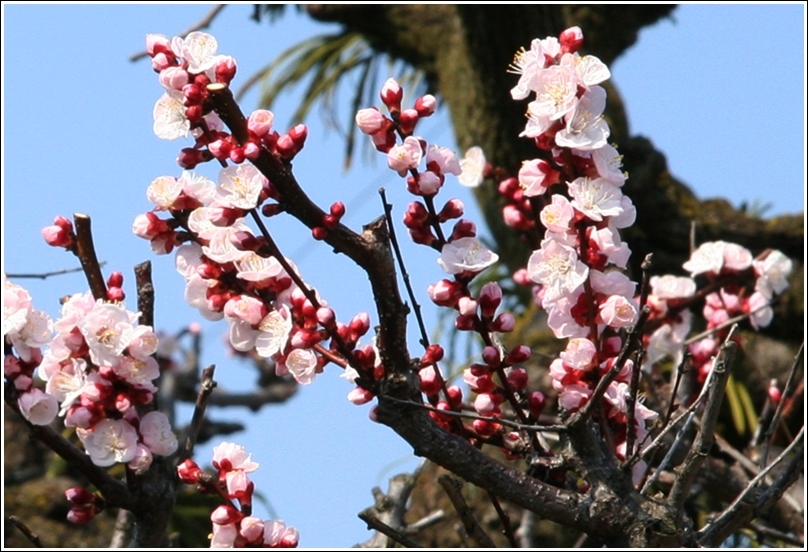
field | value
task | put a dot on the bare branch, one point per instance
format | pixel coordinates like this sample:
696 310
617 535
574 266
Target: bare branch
452 486
706 435
790 382
206 387
25 530
203 23
85 251
381 527
507 529
750 502
45 275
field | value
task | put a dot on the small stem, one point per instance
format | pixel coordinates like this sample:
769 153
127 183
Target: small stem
18 523
45 275
388 212
378 525
206 387
85 251
507 530
790 382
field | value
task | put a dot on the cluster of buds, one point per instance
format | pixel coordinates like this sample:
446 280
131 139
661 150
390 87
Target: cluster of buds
188 69
233 524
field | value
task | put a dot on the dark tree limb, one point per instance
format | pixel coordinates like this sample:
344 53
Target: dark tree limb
206 387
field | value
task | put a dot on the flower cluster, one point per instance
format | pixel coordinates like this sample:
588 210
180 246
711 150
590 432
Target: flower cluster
735 285
233 526
230 272
187 67
98 368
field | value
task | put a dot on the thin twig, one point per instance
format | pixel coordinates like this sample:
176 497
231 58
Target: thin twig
745 506
85 251
25 530
790 382
507 529
706 435
452 487
203 23
378 525
556 428
723 325
775 534
44 275
206 387
631 401
388 213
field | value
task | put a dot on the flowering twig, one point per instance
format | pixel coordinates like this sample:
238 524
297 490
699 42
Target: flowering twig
206 387
790 382
85 251
452 487
18 523
706 435
203 23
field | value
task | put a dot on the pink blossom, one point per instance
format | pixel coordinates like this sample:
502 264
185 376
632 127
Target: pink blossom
708 258
596 198
274 330
164 191
302 364
608 163
240 186
173 78
672 287
406 156
760 313
466 255
38 407
444 158
618 311
155 430
110 441
142 460
535 176
527 64
260 122
557 266
557 216
585 128
579 354
573 397
224 536
230 456
370 120
472 168
252 529
170 121
198 49
107 330
556 88
772 273
278 535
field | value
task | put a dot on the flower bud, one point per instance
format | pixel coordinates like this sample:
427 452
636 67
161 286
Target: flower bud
426 105
433 354
225 70
370 121
571 39
391 95
520 353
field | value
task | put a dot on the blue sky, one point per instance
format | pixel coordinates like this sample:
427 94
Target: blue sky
720 90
